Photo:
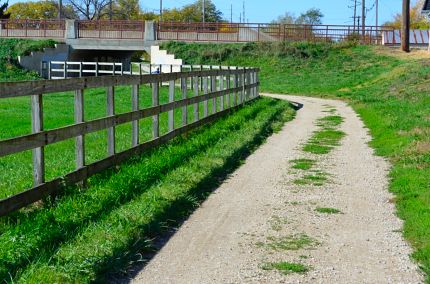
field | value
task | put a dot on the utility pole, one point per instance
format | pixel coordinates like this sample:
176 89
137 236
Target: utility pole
110 10
363 18
406 21
355 14
231 13
244 12
204 11
60 9
377 13
161 10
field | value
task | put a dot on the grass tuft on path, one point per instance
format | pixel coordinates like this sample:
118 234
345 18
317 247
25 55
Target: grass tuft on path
303 164
286 267
326 210
290 242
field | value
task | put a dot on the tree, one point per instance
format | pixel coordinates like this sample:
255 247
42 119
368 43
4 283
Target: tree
90 9
194 13
418 20
3 12
125 10
42 10
287 18
312 16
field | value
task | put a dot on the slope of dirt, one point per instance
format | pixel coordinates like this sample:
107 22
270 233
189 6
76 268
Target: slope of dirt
262 215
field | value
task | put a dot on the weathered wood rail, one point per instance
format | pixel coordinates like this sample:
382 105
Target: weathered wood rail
227 88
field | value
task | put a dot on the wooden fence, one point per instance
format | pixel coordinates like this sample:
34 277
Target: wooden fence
228 88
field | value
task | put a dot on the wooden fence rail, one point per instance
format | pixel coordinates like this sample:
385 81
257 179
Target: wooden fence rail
216 85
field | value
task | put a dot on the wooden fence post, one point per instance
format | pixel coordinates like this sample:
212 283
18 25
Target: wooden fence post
206 102
235 85
135 123
79 118
257 80
171 113
249 82
221 88
196 94
213 89
156 102
37 126
239 85
228 105
243 83
184 96
110 111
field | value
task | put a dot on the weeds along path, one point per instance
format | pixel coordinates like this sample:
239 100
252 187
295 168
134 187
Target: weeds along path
310 206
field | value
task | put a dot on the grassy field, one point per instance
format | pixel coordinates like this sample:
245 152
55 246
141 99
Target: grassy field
389 90
16 170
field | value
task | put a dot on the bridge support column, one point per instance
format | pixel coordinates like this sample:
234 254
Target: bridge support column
150 31
71 29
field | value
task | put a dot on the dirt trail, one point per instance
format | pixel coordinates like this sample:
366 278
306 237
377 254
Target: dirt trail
227 240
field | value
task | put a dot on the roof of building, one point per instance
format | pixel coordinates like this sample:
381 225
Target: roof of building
426 7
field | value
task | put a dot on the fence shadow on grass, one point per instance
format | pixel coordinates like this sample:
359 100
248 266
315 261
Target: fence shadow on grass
165 225
57 233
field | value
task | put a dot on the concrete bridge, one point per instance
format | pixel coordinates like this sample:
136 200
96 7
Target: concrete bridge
138 35
116 41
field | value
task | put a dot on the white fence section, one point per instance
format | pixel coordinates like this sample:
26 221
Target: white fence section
70 69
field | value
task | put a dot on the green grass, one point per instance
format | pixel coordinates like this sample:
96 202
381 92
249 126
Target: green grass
10 49
291 242
303 164
16 170
286 267
326 210
82 237
323 141
316 179
389 92
331 121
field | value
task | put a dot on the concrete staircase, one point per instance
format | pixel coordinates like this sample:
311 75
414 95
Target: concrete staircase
161 57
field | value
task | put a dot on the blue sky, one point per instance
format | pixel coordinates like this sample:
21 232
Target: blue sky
262 11
335 11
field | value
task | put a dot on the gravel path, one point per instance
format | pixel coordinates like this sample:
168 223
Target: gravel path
228 239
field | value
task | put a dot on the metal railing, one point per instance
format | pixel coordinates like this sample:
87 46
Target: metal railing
111 29
32 28
256 32
199 32
225 88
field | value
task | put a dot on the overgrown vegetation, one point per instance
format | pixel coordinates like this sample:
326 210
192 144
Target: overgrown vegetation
389 91
10 49
82 237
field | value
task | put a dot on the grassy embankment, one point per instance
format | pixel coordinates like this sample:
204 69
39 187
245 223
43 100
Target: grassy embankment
10 49
85 235
390 92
